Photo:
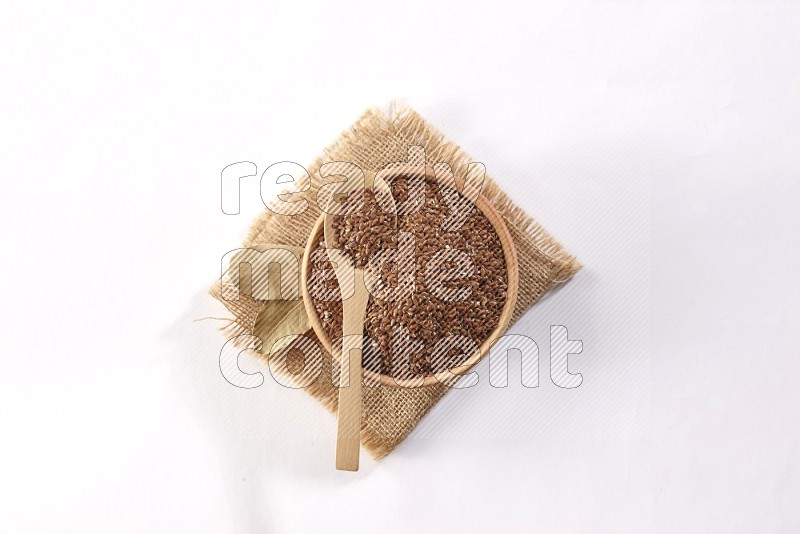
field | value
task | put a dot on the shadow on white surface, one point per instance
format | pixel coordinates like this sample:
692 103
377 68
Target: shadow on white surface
261 435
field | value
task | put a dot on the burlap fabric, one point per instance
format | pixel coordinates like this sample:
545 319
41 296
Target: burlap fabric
376 139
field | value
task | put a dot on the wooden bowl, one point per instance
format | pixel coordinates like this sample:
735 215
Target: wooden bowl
512 274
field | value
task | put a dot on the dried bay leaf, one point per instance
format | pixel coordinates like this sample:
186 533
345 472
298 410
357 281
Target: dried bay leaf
280 318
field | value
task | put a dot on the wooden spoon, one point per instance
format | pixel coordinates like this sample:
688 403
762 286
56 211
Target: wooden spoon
351 281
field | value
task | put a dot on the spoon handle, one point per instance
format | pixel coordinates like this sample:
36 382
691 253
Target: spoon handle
348 436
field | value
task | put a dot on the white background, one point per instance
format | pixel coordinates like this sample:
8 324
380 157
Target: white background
660 143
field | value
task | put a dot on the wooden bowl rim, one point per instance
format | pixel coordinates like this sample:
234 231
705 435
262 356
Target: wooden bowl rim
512 274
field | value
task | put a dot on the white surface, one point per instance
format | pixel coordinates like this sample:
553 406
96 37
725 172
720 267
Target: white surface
659 143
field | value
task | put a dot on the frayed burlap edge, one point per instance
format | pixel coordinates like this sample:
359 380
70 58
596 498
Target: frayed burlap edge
376 139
